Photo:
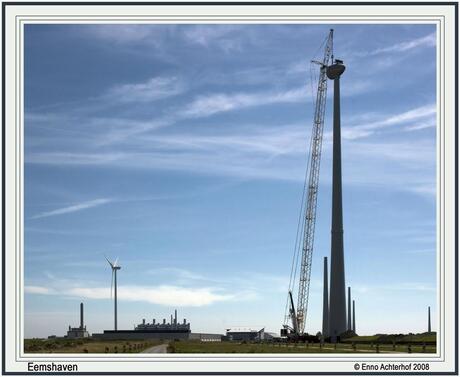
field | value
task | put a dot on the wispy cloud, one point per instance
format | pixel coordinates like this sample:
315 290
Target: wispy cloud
225 37
422 251
151 90
74 158
268 152
207 105
73 208
391 165
167 295
419 118
425 41
249 155
33 289
128 33
190 288
178 273
137 93
403 286
163 295
421 125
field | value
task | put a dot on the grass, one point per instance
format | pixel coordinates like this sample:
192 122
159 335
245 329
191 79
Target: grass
62 345
241 347
427 338
358 344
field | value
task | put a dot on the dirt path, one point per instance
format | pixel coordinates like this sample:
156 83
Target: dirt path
162 348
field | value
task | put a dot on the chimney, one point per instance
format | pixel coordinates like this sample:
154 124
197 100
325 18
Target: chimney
143 321
349 310
175 317
429 319
81 316
325 302
171 320
164 321
185 321
153 321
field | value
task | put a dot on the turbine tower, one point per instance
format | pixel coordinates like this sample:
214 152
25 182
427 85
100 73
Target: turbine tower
337 304
113 287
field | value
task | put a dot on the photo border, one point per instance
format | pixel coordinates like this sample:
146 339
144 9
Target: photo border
236 3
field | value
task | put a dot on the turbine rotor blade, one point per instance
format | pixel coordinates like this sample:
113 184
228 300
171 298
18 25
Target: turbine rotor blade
111 264
115 264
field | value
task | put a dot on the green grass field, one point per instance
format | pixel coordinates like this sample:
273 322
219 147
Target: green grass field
61 345
427 338
236 347
413 343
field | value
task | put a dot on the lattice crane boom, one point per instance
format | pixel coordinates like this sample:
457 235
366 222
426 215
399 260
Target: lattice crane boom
312 188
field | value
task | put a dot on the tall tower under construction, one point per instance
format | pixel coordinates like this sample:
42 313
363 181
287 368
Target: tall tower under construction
337 303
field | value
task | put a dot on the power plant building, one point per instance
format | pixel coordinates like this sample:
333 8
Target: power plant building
78 332
155 330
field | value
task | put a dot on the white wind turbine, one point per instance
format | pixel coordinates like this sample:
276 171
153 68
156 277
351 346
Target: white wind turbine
114 267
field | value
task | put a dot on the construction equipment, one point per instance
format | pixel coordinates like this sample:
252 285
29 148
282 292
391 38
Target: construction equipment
308 208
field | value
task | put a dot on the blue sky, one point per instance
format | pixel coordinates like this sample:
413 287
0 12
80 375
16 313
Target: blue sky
181 149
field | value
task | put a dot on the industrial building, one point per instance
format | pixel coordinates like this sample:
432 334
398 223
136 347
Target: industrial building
245 334
78 332
173 325
173 330
155 330
205 337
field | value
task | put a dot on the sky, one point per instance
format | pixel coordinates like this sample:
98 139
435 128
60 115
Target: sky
182 151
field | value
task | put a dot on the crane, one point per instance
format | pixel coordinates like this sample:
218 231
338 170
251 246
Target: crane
298 318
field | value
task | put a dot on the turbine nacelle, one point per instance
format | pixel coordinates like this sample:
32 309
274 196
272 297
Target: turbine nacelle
335 70
115 267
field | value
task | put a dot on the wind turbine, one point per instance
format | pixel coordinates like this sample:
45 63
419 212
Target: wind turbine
114 267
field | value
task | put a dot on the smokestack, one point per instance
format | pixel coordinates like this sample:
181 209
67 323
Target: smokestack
325 302
337 305
81 316
143 321
164 321
171 320
429 320
175 316
354 318
153 321
349 309
185 321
